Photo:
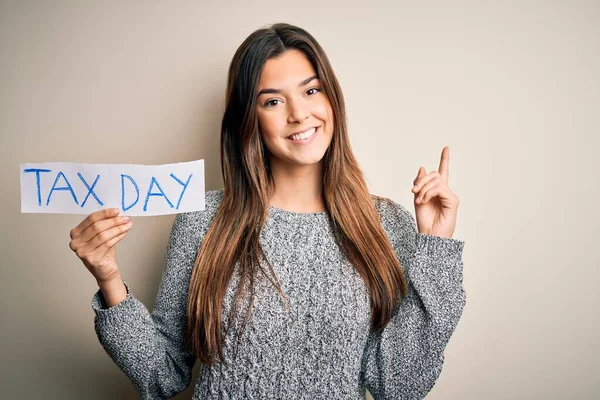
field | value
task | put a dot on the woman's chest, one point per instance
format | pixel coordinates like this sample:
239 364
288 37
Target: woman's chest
325 301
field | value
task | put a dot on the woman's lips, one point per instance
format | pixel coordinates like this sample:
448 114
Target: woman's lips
306 140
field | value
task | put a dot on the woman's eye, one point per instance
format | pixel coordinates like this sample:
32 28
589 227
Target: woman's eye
270 103
316 90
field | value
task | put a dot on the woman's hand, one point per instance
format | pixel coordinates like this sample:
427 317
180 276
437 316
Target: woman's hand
436 205
94 240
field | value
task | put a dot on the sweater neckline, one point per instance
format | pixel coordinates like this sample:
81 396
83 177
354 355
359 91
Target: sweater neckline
297 216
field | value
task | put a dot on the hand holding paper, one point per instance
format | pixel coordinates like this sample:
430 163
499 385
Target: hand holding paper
104 191
94 241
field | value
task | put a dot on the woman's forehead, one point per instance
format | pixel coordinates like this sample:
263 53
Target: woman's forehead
286 72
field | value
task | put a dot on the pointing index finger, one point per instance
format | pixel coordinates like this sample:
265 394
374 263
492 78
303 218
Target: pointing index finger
444 168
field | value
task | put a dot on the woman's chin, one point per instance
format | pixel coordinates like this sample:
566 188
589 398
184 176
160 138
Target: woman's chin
299 162
313 159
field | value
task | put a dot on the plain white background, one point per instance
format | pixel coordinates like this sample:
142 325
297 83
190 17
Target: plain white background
511 87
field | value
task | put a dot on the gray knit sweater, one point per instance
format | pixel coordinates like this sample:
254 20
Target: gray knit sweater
324 348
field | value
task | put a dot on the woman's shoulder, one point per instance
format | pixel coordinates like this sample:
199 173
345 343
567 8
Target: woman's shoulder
212 200
393 215
389 208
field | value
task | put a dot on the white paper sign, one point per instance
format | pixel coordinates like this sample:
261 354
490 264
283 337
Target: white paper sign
72 188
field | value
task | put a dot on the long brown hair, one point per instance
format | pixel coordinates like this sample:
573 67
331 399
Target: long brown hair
233 236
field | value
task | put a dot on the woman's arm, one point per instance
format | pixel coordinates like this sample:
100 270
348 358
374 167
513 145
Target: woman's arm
406 358
150 348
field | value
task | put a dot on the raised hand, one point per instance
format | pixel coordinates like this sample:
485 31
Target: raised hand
436 206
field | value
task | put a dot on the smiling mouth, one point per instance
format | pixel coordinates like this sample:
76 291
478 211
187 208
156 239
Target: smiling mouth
304 135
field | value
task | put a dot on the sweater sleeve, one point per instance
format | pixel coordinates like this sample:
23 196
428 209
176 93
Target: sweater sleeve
150 348
404 360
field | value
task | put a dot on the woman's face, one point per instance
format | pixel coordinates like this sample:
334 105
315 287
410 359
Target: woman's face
294 115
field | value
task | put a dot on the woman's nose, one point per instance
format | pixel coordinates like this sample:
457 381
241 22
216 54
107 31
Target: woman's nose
298 111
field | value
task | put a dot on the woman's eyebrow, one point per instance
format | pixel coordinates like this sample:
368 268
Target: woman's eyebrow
277 91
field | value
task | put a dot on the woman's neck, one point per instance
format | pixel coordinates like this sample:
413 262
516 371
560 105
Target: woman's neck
298 188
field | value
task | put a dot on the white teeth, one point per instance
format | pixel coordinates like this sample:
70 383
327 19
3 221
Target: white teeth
304 135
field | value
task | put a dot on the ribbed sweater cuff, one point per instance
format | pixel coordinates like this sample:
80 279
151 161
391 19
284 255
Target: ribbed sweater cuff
117 313
447 248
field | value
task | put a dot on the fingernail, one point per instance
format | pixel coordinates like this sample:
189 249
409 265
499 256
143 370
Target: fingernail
125 219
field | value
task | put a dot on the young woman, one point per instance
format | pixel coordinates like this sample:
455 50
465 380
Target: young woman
294 282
